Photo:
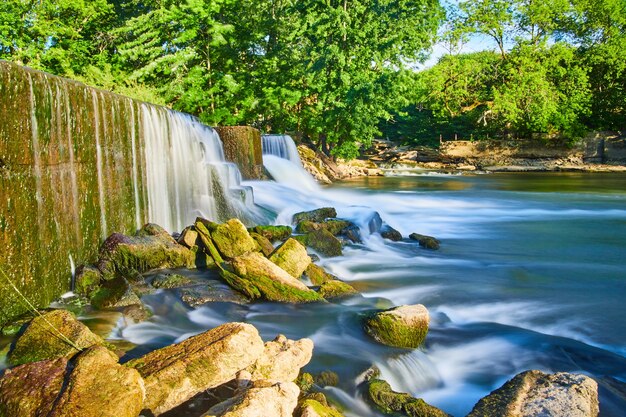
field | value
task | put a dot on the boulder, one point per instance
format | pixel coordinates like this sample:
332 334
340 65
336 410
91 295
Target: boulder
313 408
170 280
30 390
390 233
318 275
317 215
273 233
534 393
271 281
326 379
389 401
427 242
322 241
152 247
211 292
282 359
265 246
178 372
188 237
336 289
46 337
404 327
261 399
292 257
99 386
232 239
334 226
87 280
115 293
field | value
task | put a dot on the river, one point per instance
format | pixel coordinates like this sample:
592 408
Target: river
530 275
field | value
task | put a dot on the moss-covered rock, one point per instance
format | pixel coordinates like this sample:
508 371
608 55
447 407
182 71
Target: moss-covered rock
210 293
318 275
87 280
427 242
232 239
317 215
46 338
334 226
305 382
177 372
282 359
207 242
322 241
115 293
151 248
244 286
292 257
389 401
404 326
30 390
170 280
99 386
390 233
313 408
336 289
327 379
265 246
188 237
273 233
271 281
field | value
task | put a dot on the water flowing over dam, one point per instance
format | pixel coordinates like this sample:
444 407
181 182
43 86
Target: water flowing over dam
78 163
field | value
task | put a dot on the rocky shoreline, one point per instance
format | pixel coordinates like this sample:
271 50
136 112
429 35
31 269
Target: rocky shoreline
59 367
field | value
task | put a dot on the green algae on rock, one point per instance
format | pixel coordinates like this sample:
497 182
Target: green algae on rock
170 280
87 280
321 241
115 293
273 233
389 401
46 337
232 239
313 408
318 275
425 241
317 215
336 289
292 257
265 246
403 327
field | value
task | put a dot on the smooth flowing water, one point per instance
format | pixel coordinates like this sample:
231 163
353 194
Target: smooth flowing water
530 275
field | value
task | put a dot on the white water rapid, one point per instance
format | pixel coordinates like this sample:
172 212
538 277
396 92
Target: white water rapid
281 146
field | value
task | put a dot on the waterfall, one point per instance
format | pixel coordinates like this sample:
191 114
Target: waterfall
281 146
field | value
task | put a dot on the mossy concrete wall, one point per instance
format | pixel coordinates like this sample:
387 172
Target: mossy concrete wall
71 173
242 145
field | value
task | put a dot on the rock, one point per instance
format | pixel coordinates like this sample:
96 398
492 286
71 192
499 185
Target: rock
273 233
232 239
151 248
170 280
115 293
534 393
264 243
30 390
274 283
427 242
389 401
312 408
305 382
15 326
405 326
318 275
178 372
336 289
261 399
207 241
87 280
327 379
136 313
317 215
41 339
210 293
188 237
99 386
292 257
352 233
334 226
282 359
390 233
322 241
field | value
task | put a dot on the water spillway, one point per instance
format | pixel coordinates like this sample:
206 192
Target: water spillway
78 163
281 146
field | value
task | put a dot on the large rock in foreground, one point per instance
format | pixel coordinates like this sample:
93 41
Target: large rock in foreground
178 372
534 393
404 326
46 337
261 399
282 359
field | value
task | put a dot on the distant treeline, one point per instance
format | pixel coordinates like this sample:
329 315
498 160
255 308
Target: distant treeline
341 72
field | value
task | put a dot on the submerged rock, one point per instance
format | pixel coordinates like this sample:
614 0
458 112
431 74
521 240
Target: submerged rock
390 233
232 239
46 337
404 326
271 281
317 215
336 289
389 401
273 233
321 241
534 393
427 242
260 399
176 373
292 257
170 280
282 359
209 293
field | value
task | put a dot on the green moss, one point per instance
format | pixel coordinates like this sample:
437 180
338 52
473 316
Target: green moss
427 242
317 215
205 237
392 332
327 378
170 281
322 241
318 275
264 244
336 289
114 293
387 400
87 280
273 233
292 257
275 291
320 409
305 381
232 239
420 408
242 285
